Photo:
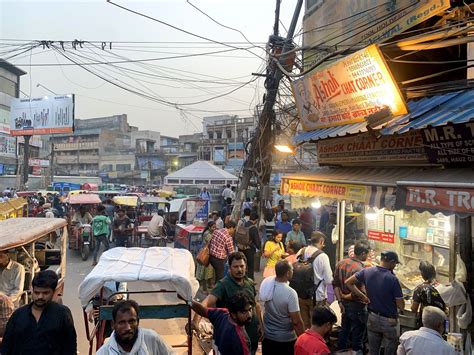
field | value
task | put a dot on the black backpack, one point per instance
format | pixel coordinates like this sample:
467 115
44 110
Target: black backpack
303 276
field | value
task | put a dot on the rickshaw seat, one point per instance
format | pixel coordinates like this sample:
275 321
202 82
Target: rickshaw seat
144 219
151 312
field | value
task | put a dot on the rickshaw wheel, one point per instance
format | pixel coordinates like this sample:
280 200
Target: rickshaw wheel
85 251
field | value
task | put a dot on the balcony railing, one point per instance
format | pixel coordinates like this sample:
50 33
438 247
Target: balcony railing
76 146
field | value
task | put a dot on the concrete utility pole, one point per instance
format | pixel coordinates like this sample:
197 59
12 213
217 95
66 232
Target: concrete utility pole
26 158
259 160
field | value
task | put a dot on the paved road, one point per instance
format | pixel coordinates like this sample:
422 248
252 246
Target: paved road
172 330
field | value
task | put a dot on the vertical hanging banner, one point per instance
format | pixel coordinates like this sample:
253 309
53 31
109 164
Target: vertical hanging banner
43 115
347 91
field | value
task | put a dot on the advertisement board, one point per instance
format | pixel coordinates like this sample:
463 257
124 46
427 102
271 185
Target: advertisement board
364 148
4 121
347 91
450 144
324 189
381 236
362 21
7 146
42 115
196 209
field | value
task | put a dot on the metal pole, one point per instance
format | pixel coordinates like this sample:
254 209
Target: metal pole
26 157
51 163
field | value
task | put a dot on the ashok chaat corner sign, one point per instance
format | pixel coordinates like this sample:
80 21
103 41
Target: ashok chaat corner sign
323 189
347 91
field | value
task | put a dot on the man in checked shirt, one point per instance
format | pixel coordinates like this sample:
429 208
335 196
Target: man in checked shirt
220 246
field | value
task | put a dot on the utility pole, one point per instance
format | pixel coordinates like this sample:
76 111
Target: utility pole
51 165
26 158
259 160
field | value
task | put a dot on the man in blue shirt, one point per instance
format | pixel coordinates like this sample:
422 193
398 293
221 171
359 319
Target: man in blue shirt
384 296
296 234
284 226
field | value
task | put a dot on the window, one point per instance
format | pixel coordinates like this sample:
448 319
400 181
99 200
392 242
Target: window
211 135
219 135
123 167
7 86
173 181
217 182
187 181
201 182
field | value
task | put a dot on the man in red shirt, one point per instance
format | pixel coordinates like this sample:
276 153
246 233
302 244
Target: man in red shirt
220 246
312 341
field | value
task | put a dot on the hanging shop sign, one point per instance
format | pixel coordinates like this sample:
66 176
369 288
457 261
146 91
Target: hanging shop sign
362 21
323 189
381 236
435 199
4 121
450 144
43 115
363 148
347 91
7 146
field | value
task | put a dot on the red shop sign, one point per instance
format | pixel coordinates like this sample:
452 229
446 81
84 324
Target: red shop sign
381 236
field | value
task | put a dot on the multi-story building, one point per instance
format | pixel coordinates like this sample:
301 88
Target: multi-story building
188 149
99 145
224 139
9 88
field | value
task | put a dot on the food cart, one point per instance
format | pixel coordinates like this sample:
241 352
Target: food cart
189 237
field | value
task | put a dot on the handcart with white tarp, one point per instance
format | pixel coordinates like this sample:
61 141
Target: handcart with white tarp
170 271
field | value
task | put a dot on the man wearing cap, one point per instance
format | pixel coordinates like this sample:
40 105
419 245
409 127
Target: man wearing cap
384 296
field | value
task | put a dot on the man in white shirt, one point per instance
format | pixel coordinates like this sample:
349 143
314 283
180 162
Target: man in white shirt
155 228
427 339
12 277
323 276
128 337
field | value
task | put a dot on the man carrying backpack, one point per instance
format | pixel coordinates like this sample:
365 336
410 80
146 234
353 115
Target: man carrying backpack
311 275
248 241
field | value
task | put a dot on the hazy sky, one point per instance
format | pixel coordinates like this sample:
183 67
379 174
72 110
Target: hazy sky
96 20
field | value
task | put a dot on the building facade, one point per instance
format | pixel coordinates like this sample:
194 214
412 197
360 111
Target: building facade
9 88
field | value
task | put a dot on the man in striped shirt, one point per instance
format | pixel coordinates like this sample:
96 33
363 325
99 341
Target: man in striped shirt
354 312
221 245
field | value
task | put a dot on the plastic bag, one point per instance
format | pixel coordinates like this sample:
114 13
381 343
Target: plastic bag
464 314
453 294
461 271
335 234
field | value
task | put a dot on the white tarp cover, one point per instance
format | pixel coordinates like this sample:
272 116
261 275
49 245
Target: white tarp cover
168 268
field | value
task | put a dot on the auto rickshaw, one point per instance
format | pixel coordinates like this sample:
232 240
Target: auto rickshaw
167 272
37 244
80 234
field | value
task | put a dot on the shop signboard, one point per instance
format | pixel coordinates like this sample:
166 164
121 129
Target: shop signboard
364 148
324 189
436 199
381 236
362 21
42 115
347 91
450 144
42 163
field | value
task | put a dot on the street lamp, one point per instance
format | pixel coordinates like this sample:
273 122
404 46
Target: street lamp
44 87
284 148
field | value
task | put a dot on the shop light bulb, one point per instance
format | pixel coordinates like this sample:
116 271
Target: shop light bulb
371 214
316 203
284 149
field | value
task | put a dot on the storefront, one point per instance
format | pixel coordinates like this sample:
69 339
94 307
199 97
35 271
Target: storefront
422 214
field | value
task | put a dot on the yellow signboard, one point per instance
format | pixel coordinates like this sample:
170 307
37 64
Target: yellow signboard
347 91
347 192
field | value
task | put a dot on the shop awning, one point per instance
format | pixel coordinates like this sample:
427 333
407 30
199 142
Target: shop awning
439 110
375 187
449 191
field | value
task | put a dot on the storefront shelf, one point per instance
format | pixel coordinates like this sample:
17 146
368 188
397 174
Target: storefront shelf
433 244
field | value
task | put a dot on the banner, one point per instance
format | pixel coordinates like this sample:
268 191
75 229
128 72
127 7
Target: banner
450 144
322 189
44 115
4 121
196 209
436 199
364 148
347 91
